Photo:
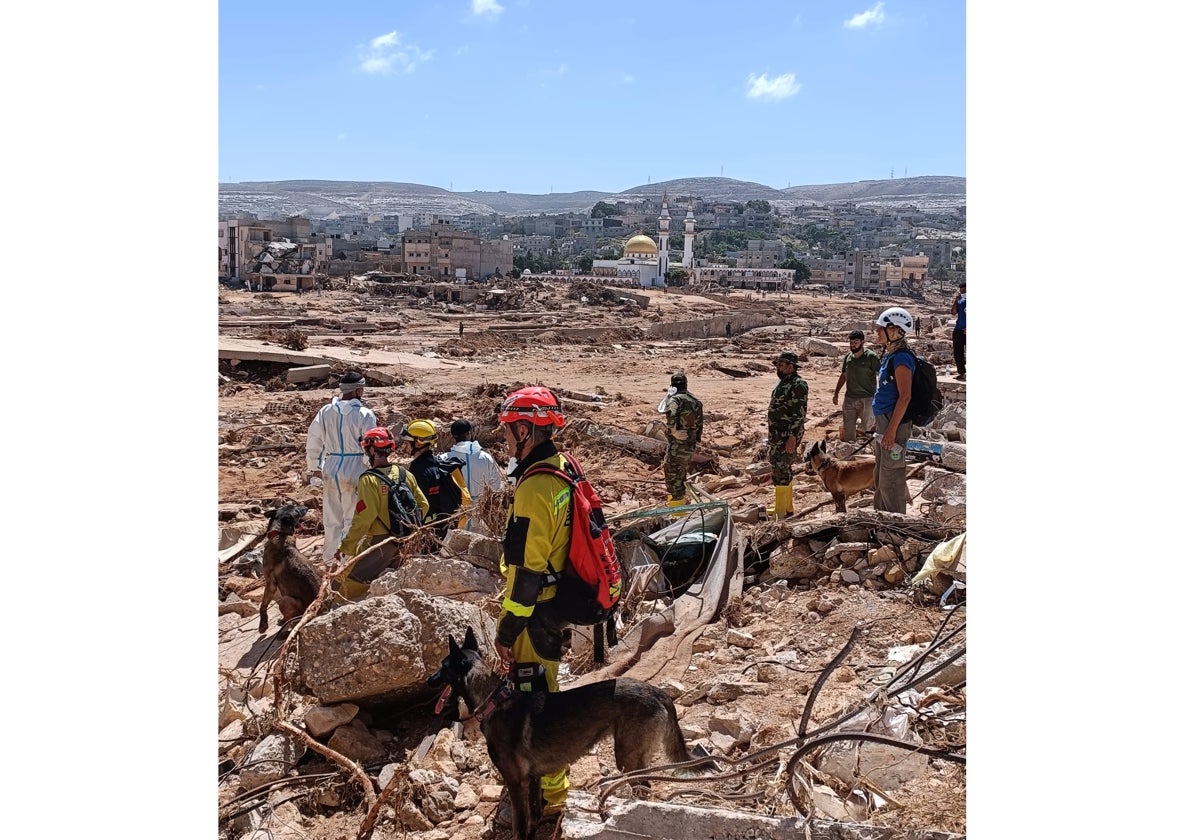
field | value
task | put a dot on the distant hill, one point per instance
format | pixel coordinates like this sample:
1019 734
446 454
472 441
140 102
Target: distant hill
319 199
921 185
712 189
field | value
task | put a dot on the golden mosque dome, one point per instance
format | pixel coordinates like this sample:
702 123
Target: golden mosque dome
640 244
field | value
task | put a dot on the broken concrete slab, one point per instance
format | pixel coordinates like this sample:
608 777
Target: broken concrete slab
308 373
629 818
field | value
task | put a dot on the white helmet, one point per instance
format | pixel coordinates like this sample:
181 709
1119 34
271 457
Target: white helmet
895 317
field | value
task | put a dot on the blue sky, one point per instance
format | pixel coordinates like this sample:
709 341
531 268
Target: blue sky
543 95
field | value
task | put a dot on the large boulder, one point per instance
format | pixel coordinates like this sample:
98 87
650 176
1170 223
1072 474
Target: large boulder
382 649
439 576
821 347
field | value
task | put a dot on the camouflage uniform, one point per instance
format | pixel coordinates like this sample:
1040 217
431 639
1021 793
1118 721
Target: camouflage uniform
685 424
785 416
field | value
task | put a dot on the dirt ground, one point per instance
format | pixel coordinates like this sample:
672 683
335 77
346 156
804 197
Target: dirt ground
442 376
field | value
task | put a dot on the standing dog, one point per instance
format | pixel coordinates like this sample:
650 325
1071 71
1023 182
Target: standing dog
841 478
287 577
530 734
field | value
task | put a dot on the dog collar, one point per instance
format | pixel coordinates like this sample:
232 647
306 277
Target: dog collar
446 694
501 693
828 463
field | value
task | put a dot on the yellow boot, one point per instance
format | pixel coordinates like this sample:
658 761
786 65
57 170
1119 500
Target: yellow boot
673 502
783 502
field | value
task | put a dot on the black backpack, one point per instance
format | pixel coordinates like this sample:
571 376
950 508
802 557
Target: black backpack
926 400
450 492
403 513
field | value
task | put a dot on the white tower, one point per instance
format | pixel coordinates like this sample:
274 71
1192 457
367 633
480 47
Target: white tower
664 235
689 233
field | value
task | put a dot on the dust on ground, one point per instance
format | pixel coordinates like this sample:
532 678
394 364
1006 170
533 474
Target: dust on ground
614 376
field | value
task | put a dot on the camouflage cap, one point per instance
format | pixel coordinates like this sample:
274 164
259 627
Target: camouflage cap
789 357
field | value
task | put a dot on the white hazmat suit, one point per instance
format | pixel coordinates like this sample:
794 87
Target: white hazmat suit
333 448
481 472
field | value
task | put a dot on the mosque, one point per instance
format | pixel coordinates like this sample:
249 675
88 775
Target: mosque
645 262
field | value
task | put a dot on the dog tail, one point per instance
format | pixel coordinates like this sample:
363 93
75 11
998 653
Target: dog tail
677 749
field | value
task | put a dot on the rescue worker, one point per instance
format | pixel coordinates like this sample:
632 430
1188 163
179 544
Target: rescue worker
685 425
859 368
893 392
480 468
786 414
431 472
536 536
372 522
333 454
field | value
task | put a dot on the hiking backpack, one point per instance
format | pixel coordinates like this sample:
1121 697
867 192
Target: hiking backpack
926 400
404 516
449 493
589 586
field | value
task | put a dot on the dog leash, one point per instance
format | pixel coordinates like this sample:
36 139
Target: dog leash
499 694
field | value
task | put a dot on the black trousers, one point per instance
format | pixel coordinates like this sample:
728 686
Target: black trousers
960 351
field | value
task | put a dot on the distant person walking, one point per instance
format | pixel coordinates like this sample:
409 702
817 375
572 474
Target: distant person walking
729 329
859 369
334 454
959 336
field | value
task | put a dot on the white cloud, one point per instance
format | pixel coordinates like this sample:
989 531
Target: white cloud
385 41
871 17
486 8
772 90
388 52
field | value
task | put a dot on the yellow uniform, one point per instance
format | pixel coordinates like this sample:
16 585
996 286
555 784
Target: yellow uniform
371 525
535 543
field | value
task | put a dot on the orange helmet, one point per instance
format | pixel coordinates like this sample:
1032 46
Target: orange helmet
536 404
378 438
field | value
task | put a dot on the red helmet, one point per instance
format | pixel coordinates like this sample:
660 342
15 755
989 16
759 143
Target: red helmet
535 404
378 438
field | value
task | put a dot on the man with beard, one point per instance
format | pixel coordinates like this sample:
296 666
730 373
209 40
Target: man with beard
858 375
785 427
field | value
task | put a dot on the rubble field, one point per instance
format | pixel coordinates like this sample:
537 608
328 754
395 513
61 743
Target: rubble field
823 628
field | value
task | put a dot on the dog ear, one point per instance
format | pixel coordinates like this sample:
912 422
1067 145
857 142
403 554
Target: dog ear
270 514
823 447
469 642
454 649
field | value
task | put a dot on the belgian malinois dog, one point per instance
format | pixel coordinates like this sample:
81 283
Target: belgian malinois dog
287 577
841 478
530 734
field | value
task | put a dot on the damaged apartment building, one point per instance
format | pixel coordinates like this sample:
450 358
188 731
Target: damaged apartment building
439 250
272 255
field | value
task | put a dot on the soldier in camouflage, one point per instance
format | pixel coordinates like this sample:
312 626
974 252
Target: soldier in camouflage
685 424
785 427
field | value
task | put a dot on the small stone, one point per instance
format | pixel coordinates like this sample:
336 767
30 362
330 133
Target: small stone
740 639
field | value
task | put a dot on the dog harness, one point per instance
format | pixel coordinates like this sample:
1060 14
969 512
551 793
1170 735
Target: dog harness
499 694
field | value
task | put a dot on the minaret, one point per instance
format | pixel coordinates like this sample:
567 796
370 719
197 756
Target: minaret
664 235
689 233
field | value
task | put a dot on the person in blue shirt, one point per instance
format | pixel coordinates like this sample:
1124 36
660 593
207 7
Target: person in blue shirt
959 308
893 392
